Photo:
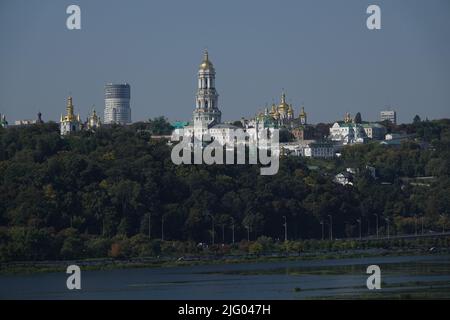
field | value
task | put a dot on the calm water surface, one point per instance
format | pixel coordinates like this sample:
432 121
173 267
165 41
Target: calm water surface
337 278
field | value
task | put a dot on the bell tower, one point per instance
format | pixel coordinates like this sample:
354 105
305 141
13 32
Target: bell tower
206 105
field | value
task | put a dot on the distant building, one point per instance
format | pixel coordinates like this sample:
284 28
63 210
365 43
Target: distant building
69 123
23 122
396 139
38 120
93 121
390 116
309 148
374 131
303 132
117 104
347 131
319 149
344 178
3 122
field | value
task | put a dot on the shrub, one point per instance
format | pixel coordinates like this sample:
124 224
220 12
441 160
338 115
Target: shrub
255 248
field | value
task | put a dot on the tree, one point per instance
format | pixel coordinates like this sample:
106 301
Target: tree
417 119
160 126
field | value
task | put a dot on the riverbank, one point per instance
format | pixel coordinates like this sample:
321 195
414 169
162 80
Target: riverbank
402 277
30 267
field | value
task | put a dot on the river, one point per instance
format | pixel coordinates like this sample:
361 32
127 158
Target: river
401 277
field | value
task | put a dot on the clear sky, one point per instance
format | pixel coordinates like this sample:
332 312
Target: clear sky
319 51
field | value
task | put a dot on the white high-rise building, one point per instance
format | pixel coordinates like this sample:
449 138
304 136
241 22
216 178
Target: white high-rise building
117 104
389 115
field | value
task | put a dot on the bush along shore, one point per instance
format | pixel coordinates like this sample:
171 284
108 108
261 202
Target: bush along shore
140 252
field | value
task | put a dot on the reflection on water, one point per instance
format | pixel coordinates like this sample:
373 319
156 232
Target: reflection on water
402 277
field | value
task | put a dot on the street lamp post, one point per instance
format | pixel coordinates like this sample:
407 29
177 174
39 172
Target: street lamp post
248 233
331 227
359 223
285 228
415 224
162 228
232 229
387 221
322 223
376 215
212 228
149 225
421 220
223 232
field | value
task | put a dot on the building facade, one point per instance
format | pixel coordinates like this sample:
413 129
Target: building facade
374 131
309 148
26 122
303 132
117 104
319 149
347 131
390 116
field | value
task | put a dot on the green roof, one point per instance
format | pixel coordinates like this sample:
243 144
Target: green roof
180 124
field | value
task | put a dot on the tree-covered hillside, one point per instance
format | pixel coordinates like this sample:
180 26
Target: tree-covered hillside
78 195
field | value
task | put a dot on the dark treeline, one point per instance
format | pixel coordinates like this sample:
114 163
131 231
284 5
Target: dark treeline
80 195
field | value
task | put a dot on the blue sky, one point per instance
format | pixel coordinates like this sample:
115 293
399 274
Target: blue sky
319 51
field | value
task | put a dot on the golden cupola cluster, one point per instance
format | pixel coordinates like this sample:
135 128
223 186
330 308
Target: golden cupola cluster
283 111
283 114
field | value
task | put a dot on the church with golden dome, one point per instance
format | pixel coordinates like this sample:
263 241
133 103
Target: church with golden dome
282 115
69 123
284 112
93 121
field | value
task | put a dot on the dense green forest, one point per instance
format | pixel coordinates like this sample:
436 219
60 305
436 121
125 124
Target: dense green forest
83 195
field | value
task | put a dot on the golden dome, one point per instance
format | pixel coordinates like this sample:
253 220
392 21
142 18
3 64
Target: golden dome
283 107
303 113
290 110
206 64
276 115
